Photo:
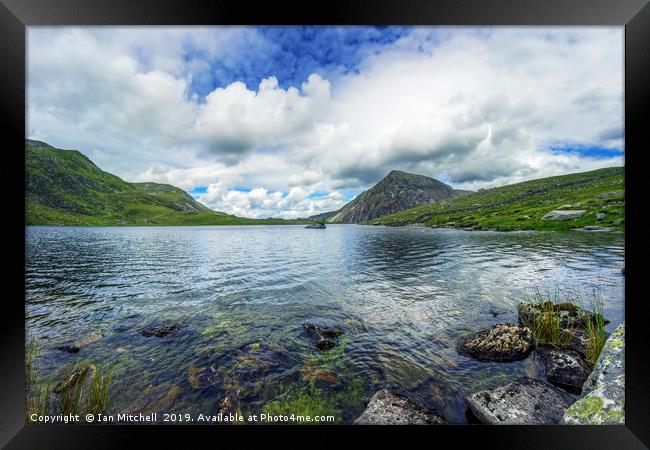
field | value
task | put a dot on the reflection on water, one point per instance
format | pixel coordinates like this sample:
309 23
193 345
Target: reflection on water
241 294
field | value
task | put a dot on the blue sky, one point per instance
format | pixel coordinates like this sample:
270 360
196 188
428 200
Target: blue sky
291 54
293 121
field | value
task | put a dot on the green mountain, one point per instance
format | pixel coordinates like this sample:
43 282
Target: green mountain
396 192
64 187
594 198
322 216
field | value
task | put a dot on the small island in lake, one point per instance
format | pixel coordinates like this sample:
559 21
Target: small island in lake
317 226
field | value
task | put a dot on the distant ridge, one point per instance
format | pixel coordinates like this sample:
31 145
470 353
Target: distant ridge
64 187
396 192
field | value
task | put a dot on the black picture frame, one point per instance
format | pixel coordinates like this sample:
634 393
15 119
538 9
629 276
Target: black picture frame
15 15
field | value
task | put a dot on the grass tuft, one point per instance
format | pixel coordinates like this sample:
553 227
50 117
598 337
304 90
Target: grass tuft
596 331
84 389
547 328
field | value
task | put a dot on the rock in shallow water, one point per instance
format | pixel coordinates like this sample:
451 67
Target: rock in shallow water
501 342
200 377
159 330
324 337
564 368
522 402
387 408
78 375
603 402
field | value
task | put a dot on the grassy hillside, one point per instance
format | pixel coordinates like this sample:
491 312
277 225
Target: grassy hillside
64 187
521 206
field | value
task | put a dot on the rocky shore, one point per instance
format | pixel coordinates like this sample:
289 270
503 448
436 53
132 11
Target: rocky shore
571 392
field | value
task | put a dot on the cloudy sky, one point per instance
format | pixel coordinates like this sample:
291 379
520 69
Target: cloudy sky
293 121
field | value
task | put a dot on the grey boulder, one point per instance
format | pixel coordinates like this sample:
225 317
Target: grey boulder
564 214
564 368
500 342
388 408
523 402
603 401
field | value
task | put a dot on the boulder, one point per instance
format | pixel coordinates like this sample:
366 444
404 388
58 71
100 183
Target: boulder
611 194
159 330
324 337
523 402
318 226
564 368
501 342
564 214
579 340
603 401
601 216
388 408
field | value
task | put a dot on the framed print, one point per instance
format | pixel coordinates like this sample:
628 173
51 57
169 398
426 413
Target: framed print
379 219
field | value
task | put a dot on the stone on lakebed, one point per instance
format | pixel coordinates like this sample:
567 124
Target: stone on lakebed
500 342
388 408
523 402
160 330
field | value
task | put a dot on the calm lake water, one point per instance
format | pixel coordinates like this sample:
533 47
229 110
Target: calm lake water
240 295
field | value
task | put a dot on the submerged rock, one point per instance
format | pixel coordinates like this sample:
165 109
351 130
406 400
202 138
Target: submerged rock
387 408
160 330
77 376
200 377
154 399
319 378
324 337
522 402
501 342
564 368
69 348
564 214
126 324
603 402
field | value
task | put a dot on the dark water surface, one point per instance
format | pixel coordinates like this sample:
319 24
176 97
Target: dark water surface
241 294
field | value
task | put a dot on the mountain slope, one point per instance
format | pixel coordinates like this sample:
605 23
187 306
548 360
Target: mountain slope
396 192
64 187
521 206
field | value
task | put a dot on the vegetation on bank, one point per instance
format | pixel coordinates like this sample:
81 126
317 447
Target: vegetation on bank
84 389
64 187
521 206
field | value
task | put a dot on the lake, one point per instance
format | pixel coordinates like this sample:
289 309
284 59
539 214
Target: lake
240 295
